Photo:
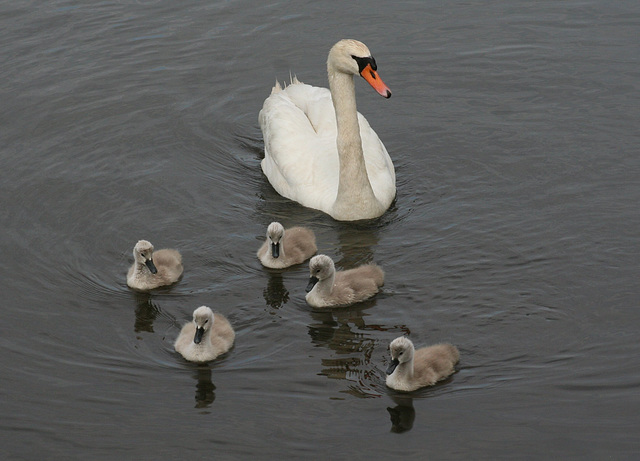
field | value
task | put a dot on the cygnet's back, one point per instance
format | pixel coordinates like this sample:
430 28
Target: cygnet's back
153 269
283 248
434 363
205 338
328 288
412 369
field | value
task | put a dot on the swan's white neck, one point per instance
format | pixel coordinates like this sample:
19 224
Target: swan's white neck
354 189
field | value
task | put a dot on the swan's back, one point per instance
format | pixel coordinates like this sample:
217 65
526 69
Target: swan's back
299 130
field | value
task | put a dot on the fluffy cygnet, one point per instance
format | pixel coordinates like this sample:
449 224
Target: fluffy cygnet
286 248
328 288
153 269
412 369
207 337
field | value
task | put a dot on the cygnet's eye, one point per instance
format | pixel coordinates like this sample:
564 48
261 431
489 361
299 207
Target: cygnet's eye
206 321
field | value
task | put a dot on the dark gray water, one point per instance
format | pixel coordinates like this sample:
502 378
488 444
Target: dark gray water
514 129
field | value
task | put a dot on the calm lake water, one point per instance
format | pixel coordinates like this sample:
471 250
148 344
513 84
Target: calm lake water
514 129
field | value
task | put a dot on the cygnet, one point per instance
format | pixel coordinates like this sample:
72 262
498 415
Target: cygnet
153 269
208 336
286 248
328 288
412 369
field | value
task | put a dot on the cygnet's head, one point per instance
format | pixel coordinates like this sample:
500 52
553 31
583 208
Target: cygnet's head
353 57
401 350
143 254
321 267
275 232
203 319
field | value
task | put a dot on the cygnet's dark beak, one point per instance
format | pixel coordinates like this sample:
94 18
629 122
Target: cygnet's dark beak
275 250
312 282
198 337
392 366
151 266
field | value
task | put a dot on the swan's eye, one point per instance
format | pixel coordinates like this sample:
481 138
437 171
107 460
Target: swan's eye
206 321
364 62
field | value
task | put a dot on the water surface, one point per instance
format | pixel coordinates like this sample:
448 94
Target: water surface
513 127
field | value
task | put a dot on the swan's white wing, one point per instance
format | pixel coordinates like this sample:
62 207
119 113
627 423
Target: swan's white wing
301 157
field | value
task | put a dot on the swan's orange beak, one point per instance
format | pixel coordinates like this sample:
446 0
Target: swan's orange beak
372 77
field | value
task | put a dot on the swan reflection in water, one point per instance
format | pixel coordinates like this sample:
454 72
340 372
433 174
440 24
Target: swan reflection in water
356 243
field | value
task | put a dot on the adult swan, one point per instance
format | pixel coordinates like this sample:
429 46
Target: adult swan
319 151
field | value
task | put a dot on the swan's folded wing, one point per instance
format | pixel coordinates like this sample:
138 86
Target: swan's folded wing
301 158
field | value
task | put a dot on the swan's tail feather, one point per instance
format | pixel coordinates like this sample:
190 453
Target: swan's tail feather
293 79
277 87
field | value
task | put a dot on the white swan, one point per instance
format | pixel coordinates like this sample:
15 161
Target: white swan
153 269
319 151
412 369
207 337
283 249
328 288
